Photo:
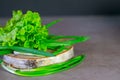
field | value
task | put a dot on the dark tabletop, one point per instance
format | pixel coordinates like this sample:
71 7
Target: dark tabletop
102 50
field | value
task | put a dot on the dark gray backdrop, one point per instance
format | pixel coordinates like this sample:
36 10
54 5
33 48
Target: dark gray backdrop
62 7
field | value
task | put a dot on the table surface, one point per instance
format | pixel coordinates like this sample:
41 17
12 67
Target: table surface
102 50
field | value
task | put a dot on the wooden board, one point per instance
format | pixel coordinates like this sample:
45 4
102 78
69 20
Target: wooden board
21 61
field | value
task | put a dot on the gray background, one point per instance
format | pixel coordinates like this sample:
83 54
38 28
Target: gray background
61 7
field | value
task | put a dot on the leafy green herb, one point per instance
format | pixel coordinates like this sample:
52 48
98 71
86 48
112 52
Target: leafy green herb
25 33
52 23
26 30
9 49
66 40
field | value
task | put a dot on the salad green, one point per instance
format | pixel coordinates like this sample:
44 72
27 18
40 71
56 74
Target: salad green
26 30
26 33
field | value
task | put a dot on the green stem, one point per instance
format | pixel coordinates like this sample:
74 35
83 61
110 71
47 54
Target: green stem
74 39
52 23
7 50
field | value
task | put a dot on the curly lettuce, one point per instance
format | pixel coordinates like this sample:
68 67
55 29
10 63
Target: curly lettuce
24 30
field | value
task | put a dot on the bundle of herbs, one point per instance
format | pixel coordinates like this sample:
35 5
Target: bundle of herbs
26 33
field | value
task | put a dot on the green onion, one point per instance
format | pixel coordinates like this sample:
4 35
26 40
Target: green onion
52 23
62 48
4 50
75 39
4 47
29 50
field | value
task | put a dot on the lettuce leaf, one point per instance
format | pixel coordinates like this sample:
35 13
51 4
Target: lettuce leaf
24 30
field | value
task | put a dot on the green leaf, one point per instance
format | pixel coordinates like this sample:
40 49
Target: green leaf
6 37
26 44
71 40
5 52
52 23
22 31
30 50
